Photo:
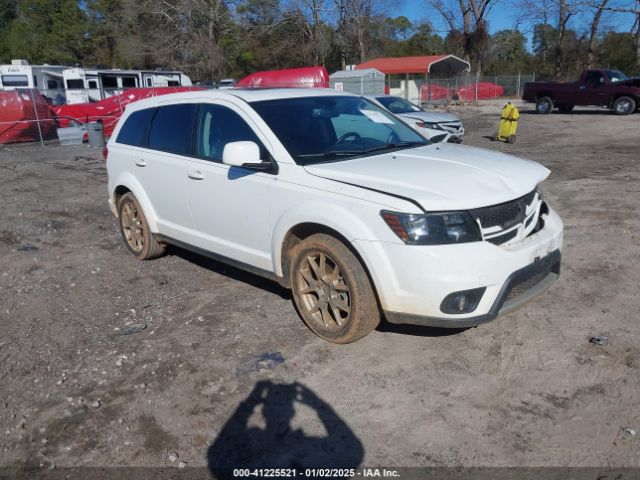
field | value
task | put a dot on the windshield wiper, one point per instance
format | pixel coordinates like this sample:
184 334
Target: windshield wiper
347 153
395 145
331 153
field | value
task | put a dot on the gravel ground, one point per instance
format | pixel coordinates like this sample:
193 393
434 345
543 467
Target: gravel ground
107 361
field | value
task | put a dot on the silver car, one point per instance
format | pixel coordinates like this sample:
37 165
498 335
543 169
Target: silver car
434 126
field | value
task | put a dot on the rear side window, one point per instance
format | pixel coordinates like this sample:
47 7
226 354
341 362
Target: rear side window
171 128
135 130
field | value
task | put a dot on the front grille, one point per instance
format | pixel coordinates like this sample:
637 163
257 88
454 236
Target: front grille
505 216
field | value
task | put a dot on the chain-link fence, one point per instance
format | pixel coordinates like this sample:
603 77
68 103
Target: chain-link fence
45 117
464 88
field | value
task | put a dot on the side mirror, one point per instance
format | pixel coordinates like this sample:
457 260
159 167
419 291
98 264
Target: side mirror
238 154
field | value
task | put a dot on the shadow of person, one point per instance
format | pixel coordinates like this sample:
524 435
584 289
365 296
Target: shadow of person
275 444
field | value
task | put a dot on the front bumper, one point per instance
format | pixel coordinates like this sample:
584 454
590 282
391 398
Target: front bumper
413 281
521 287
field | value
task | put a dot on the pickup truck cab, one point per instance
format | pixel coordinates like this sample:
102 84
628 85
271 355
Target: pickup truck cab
338 200
598 87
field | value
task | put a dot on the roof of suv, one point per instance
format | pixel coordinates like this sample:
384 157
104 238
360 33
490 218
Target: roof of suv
246 94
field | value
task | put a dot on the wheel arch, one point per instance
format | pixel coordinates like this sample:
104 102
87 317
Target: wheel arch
299 224
635 98
128 183
299 232
545 94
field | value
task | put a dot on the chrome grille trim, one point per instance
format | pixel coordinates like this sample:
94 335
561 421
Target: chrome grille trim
498 223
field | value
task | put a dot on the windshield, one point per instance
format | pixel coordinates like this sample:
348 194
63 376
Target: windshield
398 105
331 128
616 76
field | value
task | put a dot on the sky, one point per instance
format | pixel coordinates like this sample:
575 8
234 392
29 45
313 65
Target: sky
504 16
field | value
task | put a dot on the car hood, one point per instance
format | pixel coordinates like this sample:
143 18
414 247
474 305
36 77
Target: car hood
431 117
441 176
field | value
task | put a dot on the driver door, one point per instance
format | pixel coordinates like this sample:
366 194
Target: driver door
229 205
594 90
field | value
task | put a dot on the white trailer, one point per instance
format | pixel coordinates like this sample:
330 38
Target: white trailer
92 85
48 79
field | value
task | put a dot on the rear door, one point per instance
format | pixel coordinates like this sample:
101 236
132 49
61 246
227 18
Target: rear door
229 205
162 168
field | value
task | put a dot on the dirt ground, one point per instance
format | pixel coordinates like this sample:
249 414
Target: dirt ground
107 361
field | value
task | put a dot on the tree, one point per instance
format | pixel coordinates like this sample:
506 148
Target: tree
53 31
470 18
8 12
508 52
595 23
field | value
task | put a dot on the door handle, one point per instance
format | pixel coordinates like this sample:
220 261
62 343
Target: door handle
195 175
141 163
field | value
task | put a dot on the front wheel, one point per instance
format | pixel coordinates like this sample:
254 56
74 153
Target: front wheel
624 106
332 290
544 105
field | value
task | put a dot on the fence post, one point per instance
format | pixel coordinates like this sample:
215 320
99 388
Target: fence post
518 86
476 87
35 111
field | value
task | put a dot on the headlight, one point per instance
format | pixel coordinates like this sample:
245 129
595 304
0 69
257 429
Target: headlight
433 126
433 228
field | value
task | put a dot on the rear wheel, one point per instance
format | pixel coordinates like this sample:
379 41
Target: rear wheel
544 105
332 290
511 139
135 230
624 106
565 108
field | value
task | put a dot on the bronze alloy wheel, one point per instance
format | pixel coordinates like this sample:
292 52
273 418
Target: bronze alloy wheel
132 227
332 290
323 291
135 229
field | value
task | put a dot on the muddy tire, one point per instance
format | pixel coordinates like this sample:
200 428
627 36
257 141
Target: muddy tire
565 108
135 230
544 105
624 106
332 290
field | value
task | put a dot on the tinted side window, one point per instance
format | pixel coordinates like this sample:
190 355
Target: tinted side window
594 78
135 130
171 128
219 126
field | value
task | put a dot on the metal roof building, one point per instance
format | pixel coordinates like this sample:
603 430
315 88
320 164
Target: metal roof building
367 81
426 65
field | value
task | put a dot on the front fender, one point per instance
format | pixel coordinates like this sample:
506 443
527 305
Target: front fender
127 180
343 221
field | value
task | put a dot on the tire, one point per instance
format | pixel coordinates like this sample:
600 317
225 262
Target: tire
565 108
511 139
624 106
331 290
544 105
135 230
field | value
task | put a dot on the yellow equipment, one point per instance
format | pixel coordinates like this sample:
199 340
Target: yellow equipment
508 123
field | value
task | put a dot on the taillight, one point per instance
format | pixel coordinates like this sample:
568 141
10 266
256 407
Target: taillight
105 153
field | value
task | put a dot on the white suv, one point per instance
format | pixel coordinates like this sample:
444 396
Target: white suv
335 198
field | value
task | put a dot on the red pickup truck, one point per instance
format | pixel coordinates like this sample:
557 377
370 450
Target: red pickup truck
605 88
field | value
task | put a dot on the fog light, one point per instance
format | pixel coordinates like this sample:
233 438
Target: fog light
464 301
